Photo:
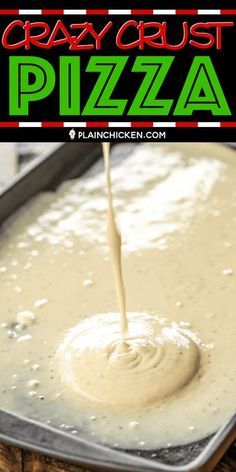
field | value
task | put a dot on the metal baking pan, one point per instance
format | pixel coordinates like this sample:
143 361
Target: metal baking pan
66 161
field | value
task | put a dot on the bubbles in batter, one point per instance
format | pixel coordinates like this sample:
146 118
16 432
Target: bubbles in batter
155 359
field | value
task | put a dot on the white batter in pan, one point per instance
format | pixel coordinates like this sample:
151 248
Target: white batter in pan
166 374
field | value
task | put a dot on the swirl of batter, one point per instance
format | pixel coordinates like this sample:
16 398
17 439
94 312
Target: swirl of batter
155 359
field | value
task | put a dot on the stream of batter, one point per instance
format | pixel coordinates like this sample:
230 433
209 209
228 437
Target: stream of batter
114 241
160 373
122 359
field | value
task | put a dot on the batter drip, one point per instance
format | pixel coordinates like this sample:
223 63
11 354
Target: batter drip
126 361
114 241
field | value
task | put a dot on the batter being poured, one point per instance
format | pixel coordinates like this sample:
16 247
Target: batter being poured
127 359
114 240
156 371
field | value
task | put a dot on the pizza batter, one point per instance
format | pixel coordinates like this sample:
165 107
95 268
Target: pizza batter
121 360
165 377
